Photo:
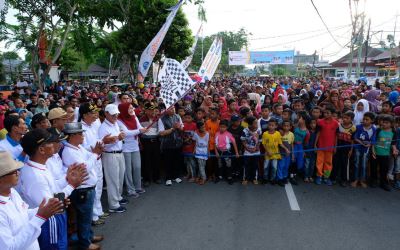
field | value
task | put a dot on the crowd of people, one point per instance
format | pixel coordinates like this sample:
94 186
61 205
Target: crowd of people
58 145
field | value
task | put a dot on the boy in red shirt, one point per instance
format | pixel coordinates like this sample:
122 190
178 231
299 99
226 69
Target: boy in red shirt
189 128
212 127
326 141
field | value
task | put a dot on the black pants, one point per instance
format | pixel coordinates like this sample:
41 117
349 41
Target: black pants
172 158
383 163
224 164
250 167
151 159
339 170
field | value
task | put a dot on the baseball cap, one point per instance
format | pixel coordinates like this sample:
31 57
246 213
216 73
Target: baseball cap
33 139
235 118
57 113
112 109
8 164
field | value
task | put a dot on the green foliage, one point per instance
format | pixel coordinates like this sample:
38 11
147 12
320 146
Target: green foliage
11 55
2 73
231 41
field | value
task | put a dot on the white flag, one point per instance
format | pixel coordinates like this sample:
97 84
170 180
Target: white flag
2 5
185 63
175 82
156 68
210 63
151 50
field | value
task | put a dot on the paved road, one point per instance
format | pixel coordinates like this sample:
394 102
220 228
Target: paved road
219 216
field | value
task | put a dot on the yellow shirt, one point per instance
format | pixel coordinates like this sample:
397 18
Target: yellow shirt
288 140
271 143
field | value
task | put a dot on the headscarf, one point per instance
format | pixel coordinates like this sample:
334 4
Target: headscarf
125 117
393 97
204 105
224 108
371 97
358 115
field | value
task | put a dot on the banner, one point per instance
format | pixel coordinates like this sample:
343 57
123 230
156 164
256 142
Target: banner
2 5
261 57
175 82
151 50
211 61
185 63
156 69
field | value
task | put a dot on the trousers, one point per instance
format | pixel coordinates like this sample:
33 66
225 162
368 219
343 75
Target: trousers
133 172
324 163
54 233
114 171
97 207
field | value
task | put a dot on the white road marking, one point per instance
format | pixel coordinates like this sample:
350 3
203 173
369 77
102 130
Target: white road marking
292 198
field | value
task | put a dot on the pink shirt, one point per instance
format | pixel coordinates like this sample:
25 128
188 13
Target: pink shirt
223 141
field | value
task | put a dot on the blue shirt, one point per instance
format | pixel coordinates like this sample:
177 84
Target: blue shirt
366 136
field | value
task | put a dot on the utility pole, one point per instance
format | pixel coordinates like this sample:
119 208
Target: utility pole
360 46
353 32
366 47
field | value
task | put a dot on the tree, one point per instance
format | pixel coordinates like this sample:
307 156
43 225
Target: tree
2 73
11 55
231 41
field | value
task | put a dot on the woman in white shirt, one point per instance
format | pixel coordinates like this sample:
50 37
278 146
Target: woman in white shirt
129 124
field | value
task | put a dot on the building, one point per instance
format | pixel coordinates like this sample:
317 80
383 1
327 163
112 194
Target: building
388 62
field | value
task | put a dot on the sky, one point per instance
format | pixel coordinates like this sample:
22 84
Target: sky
294 23
268 18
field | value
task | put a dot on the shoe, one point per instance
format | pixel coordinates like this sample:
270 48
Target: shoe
104 215
311 180
306 180
354 184
98 222
178 180
97 238
133 195
318 180
168 183
123 202
93 247
293 181
201 182
364 184
397 185
230 181
386 187
140 191
281 183
121 209
255 182
244 183
328 182
191 180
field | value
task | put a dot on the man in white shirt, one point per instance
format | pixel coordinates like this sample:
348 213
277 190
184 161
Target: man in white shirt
22 85
16 128
113 159
83 196
37 183
20 226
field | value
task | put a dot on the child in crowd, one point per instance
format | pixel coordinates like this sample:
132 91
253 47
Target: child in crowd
397 158
200 115
345 134
286 150
212 127
301 137
310 155
189 127
201 151
236 130
244 113
223 142
264 119
364 138
326 143
381 152
251 144
271 140
277 113
316 113
286 114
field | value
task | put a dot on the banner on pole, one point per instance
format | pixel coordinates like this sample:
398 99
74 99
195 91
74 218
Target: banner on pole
175 82
261 57
151 50
185 63
211 61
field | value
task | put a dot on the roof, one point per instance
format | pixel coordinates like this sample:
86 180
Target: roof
96 68
372 53
395 52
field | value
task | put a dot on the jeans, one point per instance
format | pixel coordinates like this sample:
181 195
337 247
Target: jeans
360 165
202 168
190 164
309 165
270 165
83 200
299 156
283 167
133 175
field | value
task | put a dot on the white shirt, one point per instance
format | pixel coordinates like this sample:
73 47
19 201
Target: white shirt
76 114
37 183
19 226
11 146
91 136
72 154
112 129
22 84
55 165
131 141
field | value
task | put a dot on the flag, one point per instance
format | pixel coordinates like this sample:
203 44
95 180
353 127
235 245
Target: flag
175 82
210 63
151 50
2 5
156 68
185 63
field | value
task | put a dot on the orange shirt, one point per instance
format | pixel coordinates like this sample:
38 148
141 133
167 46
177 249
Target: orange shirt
212 128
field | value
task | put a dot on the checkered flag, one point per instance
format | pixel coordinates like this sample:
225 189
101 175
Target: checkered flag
175 82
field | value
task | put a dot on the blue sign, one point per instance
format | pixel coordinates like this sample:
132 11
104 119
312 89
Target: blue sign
272 57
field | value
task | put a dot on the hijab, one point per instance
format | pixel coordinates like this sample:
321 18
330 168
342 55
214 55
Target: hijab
358 115
125 117
393 97
371 96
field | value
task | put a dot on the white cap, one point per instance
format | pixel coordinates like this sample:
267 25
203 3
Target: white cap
112 109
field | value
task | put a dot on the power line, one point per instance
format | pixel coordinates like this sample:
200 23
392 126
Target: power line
326 26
